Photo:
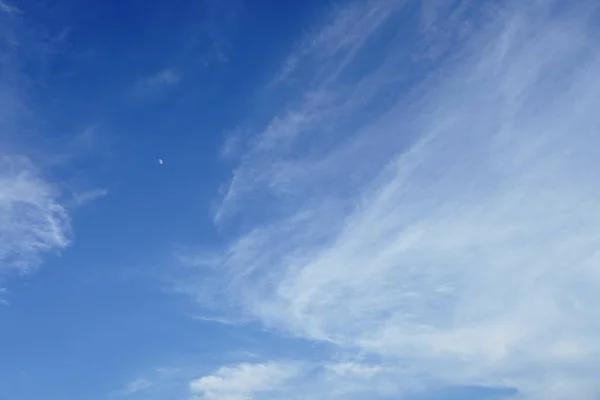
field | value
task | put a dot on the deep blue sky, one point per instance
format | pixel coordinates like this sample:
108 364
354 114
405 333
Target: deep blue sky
103 303
356 200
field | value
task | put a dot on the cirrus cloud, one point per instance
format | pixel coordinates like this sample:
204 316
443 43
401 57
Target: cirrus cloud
32 219
443 216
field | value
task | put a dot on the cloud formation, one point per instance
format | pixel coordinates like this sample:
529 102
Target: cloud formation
89 196
438 210
32 219
135 386
242 381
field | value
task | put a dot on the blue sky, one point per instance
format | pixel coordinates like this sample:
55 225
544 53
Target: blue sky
376 199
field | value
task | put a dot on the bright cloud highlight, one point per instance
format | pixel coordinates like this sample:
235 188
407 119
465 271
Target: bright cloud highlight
449 223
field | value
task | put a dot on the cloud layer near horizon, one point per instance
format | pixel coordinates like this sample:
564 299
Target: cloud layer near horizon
444 220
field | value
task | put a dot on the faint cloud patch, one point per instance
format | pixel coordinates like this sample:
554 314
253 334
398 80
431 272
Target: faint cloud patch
233 145
134 387
166 77
83 198
218 26
9 9
155 85
3 293
86 140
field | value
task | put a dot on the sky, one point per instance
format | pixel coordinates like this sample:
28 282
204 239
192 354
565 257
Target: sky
353 199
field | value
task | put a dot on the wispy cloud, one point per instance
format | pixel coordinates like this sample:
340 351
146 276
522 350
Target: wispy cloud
447 219
135 386
154 85
242 381
164 77
89 196
3 293
33 217
33 220
233 145
85 141
353 369
9 9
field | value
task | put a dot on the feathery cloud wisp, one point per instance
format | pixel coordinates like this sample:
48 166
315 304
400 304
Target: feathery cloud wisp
135 386
90 195
32 220
449 222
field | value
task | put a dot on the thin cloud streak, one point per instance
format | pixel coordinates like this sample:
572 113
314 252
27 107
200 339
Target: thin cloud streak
134 387
455 225
9 9
33 221
80 199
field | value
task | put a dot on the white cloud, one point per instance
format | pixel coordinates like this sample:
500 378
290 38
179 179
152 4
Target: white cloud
242 381
353 369
88 196
334 46
135 386
32 221
451 223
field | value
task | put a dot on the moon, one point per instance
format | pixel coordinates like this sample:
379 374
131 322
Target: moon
160 161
